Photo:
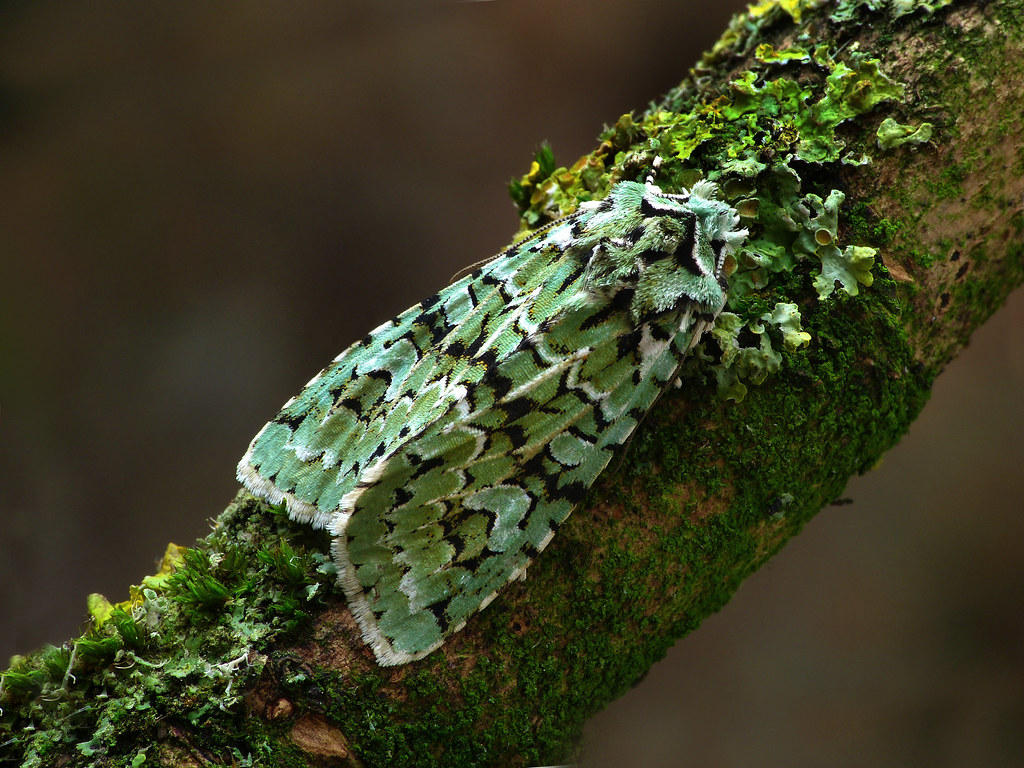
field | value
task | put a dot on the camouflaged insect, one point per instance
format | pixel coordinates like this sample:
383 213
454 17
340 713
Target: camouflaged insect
444 449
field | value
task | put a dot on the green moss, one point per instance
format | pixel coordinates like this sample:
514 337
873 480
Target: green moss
24 682
162 660
949 183
195 583
866 227
132 633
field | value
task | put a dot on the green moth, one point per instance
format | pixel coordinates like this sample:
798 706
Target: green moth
443 450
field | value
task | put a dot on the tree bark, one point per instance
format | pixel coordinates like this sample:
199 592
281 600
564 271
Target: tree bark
250 651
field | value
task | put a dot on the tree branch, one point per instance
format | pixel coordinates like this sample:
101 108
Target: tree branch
250 649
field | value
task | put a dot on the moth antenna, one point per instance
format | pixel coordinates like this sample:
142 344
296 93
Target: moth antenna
535 234
470 267
655 165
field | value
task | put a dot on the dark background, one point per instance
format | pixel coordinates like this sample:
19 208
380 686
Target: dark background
201 204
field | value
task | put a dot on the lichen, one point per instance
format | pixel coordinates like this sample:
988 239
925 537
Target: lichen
847 10
185 646
764 139
892 134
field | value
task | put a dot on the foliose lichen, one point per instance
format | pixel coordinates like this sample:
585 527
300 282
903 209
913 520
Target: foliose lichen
768 140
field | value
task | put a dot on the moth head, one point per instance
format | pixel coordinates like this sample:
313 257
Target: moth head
660 252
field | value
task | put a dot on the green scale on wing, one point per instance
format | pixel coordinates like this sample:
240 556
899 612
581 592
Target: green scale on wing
445 448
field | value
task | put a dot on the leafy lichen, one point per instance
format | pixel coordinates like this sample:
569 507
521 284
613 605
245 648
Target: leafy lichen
774 129
892 134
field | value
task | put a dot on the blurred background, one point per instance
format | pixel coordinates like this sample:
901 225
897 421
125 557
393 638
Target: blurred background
202 203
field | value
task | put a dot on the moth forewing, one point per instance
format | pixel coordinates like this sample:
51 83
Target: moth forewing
444 449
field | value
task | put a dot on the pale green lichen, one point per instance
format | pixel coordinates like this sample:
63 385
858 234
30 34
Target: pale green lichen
846 10
786 317
795 8
768 54
99 608
741 360
892 134
755 139
850 89
848 267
